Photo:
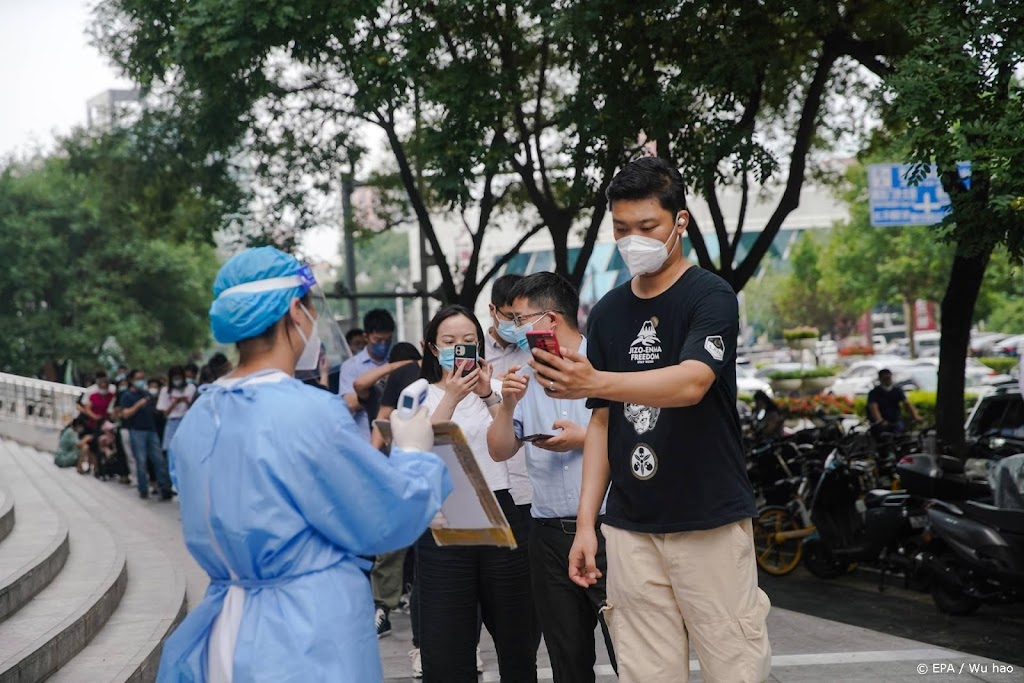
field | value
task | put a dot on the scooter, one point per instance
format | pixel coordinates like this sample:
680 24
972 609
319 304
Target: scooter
975 555
877 526
975 552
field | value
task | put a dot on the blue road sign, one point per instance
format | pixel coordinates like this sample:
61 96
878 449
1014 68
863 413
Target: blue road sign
895 202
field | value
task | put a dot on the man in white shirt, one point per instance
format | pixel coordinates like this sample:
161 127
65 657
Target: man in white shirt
567 613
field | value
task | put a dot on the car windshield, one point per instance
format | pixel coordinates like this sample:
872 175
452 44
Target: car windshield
1002 414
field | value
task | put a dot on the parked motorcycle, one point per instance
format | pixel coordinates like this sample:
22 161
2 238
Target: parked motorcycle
975 552
856 524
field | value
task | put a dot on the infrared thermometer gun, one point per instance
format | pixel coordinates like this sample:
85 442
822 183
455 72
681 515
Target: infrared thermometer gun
411 398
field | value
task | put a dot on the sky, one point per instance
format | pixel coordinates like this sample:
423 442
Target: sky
48 70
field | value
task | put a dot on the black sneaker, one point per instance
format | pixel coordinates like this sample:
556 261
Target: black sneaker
383 623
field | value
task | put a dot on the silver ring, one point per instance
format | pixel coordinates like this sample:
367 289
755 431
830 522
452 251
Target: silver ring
551 387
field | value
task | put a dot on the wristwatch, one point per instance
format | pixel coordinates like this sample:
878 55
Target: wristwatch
491 399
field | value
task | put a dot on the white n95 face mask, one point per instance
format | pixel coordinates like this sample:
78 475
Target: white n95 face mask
644 255
311 352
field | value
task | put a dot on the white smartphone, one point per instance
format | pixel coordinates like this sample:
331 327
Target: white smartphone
411 398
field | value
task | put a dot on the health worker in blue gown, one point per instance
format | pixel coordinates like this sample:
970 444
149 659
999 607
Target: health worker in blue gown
279 495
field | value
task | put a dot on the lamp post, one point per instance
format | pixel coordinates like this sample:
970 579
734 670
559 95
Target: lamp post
348 227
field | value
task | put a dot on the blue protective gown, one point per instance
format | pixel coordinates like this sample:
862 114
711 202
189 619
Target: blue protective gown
278 495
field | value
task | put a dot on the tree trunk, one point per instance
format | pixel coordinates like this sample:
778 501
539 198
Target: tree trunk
957 312
911 322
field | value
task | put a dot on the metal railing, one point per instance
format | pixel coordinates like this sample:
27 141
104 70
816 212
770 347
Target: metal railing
35 401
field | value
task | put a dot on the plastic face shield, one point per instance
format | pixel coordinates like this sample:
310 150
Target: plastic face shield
333 349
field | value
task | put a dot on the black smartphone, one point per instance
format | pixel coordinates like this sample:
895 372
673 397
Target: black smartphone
467 355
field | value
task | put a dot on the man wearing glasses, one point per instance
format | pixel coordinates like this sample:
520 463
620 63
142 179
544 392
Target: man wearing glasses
551 431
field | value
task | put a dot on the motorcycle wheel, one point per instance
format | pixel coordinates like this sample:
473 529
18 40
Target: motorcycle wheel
776 557
819 561
950 600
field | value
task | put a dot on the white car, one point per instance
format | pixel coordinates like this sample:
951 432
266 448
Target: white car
976 373
747 382
861 377
1011 346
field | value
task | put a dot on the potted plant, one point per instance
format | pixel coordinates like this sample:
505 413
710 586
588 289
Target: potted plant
801 337
818 379
785 381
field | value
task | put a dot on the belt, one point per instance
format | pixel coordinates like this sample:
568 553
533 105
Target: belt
567 525
252 584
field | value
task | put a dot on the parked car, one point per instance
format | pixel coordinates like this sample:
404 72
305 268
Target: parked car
995 426
983 343
976 373
859 378
926 342
747 382
1011 346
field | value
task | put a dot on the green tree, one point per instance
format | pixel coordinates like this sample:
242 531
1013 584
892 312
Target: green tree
97 255
521 107
958 97
864 266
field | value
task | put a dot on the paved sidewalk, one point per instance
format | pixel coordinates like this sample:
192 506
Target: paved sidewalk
804 648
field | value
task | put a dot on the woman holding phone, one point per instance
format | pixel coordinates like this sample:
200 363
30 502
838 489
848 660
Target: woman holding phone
458 585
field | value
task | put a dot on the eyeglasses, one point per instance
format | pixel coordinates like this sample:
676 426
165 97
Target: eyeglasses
519 320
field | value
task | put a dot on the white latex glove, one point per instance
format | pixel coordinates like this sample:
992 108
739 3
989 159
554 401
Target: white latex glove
414 434
439 521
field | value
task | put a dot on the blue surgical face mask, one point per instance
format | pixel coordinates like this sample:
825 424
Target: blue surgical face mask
520 333
380 350
141 384
507 331
446 357
178 383
190 380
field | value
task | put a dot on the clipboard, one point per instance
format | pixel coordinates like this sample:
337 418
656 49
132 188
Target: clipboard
473 514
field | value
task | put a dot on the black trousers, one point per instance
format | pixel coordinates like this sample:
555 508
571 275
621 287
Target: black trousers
458 584
568 613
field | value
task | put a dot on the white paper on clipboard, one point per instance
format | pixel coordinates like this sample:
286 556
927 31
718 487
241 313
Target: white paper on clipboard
471 510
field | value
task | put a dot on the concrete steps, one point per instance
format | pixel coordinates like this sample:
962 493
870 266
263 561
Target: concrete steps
51 628
6 513
95 577
36 547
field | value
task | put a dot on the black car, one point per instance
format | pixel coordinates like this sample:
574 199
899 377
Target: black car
995 427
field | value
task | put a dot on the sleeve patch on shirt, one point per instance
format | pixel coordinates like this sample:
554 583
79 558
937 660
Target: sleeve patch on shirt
715 346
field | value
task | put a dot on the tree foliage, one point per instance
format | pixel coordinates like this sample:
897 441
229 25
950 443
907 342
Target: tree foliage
519 108
957 96
103 244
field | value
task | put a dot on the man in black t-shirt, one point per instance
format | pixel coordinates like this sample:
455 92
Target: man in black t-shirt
884 403
660 376
137 414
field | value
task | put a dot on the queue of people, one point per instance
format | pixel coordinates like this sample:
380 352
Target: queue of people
125 424
614 455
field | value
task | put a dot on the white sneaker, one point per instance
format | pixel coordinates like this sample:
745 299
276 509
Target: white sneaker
479 662
417 663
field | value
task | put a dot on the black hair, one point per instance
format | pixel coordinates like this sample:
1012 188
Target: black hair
884 371
131 375
175 370
353 333
404 351
549 291
502 289
100 374
79 421
378 320
647 178
764 398
430 370
191 367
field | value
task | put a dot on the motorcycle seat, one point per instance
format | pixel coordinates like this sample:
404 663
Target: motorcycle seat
1004 520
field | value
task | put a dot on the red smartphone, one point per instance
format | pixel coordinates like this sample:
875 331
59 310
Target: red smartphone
545 340
465 354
